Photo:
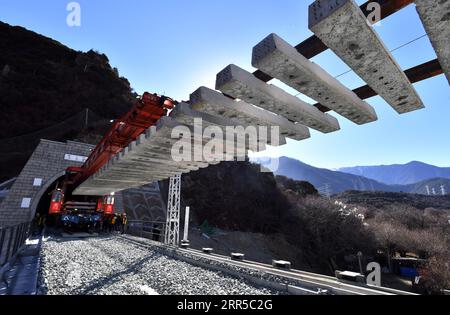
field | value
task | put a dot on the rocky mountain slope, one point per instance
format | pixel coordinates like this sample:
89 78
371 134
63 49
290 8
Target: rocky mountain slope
45 88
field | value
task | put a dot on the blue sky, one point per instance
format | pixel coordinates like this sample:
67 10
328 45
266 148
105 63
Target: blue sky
174 46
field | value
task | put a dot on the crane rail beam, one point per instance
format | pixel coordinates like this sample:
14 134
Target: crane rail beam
415 74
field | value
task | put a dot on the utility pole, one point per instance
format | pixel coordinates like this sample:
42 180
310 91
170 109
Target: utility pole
172 231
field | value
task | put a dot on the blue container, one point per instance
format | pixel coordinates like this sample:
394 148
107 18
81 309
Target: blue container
408 272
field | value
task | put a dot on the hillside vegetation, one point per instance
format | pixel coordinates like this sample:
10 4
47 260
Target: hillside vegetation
383 199
316 233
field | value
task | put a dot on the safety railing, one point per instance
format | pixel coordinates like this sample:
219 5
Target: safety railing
153 230
12 238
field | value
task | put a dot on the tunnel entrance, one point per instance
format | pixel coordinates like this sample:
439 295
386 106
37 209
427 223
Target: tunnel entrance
77 213
44 203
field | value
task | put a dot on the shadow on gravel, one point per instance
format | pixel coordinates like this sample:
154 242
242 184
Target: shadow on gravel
112 277
102 238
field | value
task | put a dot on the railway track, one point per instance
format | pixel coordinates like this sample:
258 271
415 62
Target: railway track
292 281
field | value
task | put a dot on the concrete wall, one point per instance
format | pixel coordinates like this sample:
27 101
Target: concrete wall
47 163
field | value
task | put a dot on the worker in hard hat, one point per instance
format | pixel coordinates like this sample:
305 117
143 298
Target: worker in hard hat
112 223
124 222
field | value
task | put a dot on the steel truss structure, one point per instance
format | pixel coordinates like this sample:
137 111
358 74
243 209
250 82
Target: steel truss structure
172 231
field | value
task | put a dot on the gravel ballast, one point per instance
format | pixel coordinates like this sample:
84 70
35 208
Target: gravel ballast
113 266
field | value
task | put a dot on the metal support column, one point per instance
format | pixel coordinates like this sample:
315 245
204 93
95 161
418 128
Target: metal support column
186 225
172 232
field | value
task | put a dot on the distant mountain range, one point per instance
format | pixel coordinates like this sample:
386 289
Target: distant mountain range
340 181
399 174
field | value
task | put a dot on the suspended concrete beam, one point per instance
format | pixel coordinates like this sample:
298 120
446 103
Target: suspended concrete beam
185 114
276 57
435 16
313 46
133 168
342 26
215 103
241 84
146 160
149 158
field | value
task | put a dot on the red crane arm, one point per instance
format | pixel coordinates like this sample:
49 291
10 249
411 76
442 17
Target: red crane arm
145 113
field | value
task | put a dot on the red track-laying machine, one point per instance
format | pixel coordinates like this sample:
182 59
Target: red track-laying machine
145 113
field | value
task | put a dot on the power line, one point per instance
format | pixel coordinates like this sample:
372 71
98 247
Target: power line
343 73
410 42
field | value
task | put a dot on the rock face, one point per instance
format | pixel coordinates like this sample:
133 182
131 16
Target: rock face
45 88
